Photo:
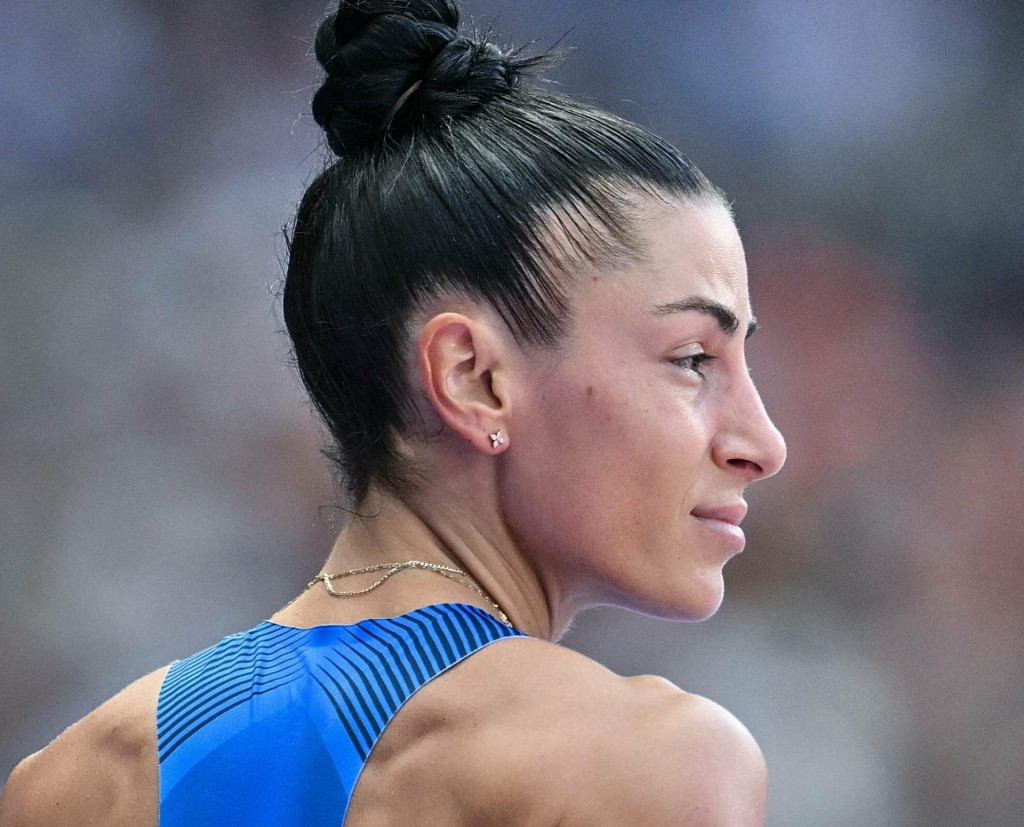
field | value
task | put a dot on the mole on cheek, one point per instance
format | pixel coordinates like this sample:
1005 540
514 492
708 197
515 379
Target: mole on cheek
590 391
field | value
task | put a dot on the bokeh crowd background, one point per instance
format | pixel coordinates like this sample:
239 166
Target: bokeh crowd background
160 484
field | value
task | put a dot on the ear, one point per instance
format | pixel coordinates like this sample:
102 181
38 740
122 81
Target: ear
463 374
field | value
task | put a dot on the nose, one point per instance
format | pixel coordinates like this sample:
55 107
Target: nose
747 441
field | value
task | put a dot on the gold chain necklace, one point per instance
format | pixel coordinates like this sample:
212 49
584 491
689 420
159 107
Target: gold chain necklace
394 568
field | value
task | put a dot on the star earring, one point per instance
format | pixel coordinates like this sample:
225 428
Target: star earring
497 438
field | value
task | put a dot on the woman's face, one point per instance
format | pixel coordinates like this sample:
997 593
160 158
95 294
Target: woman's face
628 443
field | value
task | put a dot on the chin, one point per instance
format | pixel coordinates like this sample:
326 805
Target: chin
696 599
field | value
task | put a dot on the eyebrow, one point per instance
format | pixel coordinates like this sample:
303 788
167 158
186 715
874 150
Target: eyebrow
726 319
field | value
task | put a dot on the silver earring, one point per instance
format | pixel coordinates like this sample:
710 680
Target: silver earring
497 439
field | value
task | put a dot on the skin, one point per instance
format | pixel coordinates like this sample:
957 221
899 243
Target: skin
613 442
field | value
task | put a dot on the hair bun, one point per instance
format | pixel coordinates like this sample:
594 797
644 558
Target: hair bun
394 66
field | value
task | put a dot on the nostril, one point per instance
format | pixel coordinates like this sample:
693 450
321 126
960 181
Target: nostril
746 465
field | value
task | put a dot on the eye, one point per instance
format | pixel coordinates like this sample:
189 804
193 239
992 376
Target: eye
693 362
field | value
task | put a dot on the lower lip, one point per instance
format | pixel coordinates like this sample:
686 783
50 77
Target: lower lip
733 533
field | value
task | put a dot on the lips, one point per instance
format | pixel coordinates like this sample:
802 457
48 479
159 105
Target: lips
723 521
732 513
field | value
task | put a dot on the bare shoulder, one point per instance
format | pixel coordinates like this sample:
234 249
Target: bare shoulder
100 770
590 747
681 760
669 757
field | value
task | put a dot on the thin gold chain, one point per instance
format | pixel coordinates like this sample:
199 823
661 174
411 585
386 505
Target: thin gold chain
393 568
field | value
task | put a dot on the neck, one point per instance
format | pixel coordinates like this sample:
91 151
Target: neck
387 529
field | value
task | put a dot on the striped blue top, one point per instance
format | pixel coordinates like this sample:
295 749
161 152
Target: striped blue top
273 726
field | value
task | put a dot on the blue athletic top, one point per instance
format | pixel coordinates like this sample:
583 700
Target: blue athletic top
273 726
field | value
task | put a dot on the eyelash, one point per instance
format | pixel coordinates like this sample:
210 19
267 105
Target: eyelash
694 361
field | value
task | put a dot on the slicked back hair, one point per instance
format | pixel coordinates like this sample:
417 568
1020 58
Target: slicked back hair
451 178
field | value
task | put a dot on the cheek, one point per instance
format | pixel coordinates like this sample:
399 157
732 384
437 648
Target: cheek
602 433
643 438
602 465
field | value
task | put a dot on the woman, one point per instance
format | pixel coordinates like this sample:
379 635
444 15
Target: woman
523 321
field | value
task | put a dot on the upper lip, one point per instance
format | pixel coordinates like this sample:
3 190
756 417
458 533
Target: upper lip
726 513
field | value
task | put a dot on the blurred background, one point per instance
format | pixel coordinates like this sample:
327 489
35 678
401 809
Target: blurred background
160 484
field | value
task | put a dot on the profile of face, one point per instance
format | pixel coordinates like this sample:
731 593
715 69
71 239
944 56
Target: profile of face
631 445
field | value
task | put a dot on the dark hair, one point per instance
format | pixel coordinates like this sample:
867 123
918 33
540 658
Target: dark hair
451 177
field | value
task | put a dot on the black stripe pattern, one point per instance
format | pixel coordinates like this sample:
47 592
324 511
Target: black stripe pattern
261 698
